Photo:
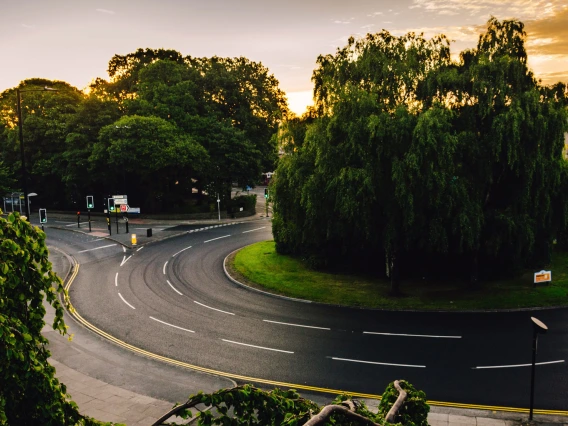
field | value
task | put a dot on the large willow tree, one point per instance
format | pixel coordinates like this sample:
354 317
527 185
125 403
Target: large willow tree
435 166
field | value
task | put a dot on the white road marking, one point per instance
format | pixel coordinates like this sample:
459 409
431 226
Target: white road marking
258 347
218 238
173 255
516 365
413 335
96 248
297 325
98 239
164 270
214 309
174 288
171 325
125 260
60 221
116 280
71 224
377 363
124 249
140 248
244 232
126 301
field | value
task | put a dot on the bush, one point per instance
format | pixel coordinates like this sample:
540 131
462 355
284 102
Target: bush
414 410
247 202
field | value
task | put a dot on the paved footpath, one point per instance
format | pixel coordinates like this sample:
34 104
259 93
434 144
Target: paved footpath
113 385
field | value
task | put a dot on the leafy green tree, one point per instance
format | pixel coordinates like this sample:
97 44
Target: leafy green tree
30 392
45 116
434 165
243 93
79 178
155 160
7 183
247 405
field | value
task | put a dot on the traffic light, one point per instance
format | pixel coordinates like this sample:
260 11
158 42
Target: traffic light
265 192
90 202
111 204
42 215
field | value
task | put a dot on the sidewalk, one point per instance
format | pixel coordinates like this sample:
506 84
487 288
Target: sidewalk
112 385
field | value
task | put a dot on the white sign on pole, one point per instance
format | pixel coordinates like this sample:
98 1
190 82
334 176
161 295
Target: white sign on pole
133 209
120 199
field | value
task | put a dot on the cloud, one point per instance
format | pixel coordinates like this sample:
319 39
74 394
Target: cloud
28 26
548 35
108 12
520 9
372 15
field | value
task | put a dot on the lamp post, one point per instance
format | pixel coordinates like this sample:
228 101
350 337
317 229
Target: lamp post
31 194
538 328
21 135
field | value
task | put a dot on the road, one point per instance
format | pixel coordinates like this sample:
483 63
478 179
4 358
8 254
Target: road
172 298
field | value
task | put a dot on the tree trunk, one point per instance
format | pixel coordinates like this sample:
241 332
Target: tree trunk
394 273
474 270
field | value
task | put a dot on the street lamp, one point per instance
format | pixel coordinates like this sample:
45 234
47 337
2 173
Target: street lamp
31 194
538 328
21 134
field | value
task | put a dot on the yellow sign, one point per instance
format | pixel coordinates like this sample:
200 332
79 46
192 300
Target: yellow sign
542 276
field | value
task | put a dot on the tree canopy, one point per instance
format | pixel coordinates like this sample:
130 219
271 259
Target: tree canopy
422 161
219 116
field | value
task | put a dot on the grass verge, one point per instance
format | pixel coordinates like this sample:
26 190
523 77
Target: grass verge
259 265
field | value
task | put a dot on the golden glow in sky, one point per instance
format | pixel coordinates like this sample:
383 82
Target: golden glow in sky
73 40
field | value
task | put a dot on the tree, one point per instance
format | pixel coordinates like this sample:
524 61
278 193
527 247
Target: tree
437 166
30 393
155 160
244 94
247 405
7 183
46 116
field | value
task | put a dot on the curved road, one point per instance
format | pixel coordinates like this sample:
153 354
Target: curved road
173 299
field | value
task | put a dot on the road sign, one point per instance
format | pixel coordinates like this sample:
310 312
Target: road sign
133 209
124 207
542 276
120 199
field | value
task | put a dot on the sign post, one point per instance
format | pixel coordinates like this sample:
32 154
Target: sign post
542 277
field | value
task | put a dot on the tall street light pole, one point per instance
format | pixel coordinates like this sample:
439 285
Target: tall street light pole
21 135
538 328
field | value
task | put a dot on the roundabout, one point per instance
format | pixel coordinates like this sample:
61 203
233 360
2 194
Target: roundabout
172 301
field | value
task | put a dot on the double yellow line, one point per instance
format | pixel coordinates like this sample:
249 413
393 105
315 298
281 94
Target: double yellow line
171 361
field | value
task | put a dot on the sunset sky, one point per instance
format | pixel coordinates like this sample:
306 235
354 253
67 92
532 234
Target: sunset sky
73 40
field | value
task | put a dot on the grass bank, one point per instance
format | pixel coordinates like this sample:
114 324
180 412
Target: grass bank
260 266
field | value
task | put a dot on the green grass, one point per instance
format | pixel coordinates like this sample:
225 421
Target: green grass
260 266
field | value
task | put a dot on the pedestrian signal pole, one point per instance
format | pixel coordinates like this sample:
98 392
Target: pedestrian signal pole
90 205
42 217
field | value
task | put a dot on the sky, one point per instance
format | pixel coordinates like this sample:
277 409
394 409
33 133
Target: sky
73 40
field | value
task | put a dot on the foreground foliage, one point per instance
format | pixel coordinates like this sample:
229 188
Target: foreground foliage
418 165
30 393
248 405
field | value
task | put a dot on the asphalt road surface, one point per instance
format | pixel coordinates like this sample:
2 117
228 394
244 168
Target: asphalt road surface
172 298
